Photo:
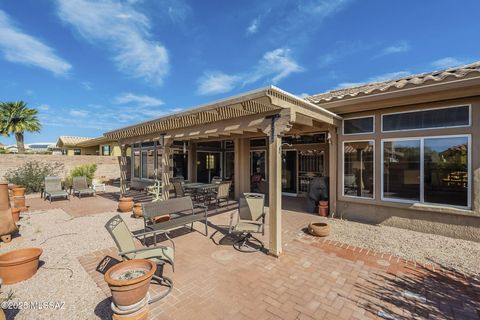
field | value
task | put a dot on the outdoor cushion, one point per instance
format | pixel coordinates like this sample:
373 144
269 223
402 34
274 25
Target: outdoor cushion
61 193
249 226
86 191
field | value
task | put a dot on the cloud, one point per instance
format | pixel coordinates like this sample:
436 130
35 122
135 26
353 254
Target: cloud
340 50
87 85
402 46
124 30
378 78
274 66
140 100
78 113
43 107
447 62
253 27
19 47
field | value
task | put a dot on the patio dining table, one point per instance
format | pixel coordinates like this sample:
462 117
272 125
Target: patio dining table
200 190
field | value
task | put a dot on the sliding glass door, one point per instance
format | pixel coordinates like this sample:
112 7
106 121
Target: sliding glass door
208 165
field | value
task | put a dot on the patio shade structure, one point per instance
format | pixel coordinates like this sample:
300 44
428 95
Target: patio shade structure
267 112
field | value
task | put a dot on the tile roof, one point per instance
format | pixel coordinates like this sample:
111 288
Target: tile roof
71 140
449 74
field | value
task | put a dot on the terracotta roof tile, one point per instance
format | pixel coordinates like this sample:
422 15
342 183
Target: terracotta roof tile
397 84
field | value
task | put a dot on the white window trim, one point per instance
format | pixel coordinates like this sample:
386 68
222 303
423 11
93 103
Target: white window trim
353 118
343 169
422 171
428 109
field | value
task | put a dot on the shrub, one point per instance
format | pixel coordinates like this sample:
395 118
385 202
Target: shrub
87 170
32 174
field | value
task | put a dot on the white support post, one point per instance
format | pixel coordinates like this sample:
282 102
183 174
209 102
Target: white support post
275 194
123 168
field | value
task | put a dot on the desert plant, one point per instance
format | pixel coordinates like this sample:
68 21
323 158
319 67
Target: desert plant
16 118
87 170
32 174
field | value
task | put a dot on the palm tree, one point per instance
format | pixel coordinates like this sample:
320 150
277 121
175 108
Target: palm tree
16 118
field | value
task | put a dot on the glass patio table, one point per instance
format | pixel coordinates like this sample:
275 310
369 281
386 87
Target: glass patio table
201 191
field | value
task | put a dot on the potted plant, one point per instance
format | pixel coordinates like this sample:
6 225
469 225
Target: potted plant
129 281
18 191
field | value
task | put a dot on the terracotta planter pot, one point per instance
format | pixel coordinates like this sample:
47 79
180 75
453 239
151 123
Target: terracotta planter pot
137 210
2 315
323 208
319 229
129 292
19 265
4 200
16 214
19 201
18 192
125 204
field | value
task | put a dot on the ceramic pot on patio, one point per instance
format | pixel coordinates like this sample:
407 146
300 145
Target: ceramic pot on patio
129 281
15 214
137 210
18 265
323 208
18 192
19 202
125 204
319 229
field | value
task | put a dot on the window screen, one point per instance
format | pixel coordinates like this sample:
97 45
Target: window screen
428 119
359 125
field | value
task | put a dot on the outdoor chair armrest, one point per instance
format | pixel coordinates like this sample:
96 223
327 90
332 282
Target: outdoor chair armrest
155 233
201 206
122 253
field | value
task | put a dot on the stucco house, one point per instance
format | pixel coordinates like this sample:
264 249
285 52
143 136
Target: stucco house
404 152
76 146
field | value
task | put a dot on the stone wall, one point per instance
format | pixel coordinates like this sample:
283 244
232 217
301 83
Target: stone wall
106 166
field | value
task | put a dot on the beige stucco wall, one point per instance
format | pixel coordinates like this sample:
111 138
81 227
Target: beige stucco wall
438 219
106 166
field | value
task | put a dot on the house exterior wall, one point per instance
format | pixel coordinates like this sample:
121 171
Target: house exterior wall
438 218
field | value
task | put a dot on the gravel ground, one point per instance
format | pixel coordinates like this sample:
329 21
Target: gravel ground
461 255
62 278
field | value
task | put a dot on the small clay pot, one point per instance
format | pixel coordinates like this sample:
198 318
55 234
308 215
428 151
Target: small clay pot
19 201
323 208
18 192
16 214
319 229
18 265
125 204
129 292
137 210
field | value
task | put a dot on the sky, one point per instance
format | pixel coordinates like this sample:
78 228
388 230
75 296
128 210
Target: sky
93 66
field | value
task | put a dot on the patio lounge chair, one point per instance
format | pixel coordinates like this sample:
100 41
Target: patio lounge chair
216 180
250 219
53 188
158 254
80 187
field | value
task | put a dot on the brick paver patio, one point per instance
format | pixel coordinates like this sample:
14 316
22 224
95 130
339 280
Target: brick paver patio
314 279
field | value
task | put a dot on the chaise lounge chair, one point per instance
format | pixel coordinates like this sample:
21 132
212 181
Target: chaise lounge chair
53 189
81 187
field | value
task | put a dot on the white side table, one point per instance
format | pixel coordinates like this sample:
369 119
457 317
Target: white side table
99 187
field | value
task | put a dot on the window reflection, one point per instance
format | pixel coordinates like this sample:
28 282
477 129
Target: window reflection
358 169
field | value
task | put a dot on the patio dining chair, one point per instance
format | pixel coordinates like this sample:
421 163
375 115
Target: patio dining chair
126 244
216 180
53 189
222 193
80 187
250 219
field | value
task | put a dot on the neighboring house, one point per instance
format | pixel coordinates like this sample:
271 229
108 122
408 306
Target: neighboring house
40 147
404 152
71 145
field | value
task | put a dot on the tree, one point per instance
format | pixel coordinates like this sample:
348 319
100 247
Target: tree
16 118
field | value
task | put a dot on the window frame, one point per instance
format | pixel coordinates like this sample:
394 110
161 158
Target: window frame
429 109
343 169
422 170
353 118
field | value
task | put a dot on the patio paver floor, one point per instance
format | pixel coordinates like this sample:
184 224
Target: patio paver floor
313 279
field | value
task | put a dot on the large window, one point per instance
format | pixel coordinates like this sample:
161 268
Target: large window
136 163
358 169
427 119
431 170
358 125
148 164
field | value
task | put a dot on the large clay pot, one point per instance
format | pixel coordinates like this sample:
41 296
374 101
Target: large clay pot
18 192
19 202
129 292
18 265
137 210
4 200
141 314
15 214
319 229
125 204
